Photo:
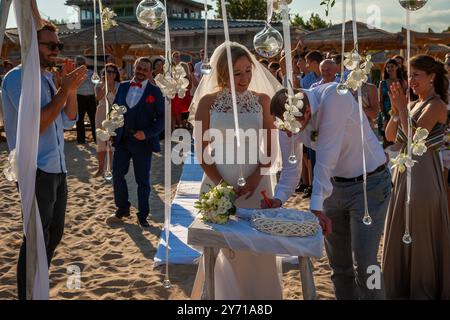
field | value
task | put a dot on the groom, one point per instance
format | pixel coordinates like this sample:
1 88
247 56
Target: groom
137 139
331 126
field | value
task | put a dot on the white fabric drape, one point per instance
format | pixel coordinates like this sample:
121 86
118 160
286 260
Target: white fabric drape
26 150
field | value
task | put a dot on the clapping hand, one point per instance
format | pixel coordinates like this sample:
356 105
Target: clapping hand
399 100
72 78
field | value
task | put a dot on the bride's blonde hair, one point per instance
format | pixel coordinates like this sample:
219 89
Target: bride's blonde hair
222 64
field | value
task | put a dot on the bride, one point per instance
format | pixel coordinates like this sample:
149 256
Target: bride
239 275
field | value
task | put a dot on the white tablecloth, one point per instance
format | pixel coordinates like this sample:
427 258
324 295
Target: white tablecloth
240 235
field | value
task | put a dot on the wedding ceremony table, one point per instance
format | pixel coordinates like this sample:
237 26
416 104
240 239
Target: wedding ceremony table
238 234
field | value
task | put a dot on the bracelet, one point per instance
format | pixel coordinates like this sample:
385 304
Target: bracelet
395 118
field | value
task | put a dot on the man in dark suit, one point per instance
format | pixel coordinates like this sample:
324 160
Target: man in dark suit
137 139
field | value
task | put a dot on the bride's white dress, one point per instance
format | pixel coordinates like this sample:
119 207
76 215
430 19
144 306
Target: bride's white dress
242 275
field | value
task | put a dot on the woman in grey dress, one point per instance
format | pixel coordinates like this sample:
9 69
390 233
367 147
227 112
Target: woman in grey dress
419 270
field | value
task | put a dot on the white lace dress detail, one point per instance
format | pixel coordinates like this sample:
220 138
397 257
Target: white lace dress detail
247 102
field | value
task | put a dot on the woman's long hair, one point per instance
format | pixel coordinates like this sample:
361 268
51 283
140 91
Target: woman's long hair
399 70
429 65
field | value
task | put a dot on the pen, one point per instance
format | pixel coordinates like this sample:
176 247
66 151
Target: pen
266 200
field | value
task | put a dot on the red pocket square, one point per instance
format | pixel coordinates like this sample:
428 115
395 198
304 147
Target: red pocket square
150 99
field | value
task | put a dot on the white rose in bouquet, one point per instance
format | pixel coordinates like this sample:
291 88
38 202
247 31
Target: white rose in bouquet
218 204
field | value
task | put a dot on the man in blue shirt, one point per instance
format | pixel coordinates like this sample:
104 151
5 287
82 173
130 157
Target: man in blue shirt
58 111
313 60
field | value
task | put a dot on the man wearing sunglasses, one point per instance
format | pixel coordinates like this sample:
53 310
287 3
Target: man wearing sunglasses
58 112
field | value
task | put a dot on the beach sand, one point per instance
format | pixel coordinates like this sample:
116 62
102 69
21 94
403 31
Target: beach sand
116 261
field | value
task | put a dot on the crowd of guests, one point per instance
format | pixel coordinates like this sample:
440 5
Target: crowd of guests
69 94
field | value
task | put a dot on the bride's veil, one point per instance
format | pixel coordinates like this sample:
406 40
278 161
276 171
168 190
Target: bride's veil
262 82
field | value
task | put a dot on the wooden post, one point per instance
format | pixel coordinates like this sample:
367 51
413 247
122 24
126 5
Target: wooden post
118 51
210 262
306 276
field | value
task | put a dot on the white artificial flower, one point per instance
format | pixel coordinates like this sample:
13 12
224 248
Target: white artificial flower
279 124
420 135
277 4
402 161
410 162
167 85
368 65
103 135
299 96
419 148
356 79
174 84
352 60
108 16
11 168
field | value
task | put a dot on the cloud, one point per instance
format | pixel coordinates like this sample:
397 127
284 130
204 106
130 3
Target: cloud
392 16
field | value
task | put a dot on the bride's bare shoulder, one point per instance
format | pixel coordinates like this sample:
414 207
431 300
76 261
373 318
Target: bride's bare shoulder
208 99
205 104
262 97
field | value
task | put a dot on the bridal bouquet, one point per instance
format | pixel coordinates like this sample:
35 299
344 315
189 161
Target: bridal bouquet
217 205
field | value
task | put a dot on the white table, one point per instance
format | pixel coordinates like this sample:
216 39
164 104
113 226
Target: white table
207 236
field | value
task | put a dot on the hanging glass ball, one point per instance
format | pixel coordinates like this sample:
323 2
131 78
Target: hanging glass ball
205 68
108 176
95 78
167 284
412 5
292 159
151 13
269 42
407 238
367 220
241 182
342 88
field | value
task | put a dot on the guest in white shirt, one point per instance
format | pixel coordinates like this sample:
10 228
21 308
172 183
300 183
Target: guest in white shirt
331 126
198 66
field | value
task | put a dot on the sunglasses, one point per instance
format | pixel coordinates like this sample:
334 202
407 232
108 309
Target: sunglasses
111 71
52 46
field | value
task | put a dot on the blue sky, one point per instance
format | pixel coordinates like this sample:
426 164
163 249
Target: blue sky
434 15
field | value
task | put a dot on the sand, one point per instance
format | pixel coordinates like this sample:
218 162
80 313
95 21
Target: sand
116 260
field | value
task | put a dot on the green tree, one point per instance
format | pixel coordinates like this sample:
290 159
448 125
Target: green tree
56 21
315 22
244 9
448 30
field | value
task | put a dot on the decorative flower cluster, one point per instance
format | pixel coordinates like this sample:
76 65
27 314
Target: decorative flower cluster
360 67
402 161
217 205
173 83
108 16
294 105
114 121
277 4
11 168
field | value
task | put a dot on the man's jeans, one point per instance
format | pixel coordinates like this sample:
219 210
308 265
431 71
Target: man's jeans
51 196
353 246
